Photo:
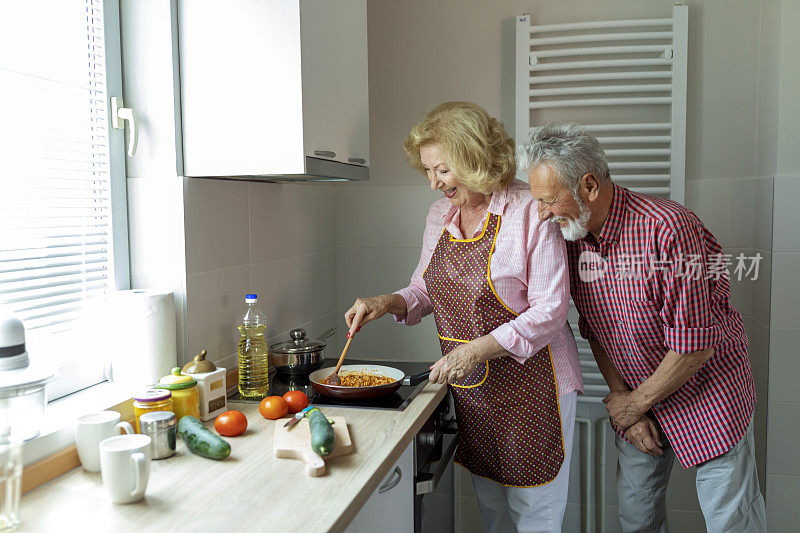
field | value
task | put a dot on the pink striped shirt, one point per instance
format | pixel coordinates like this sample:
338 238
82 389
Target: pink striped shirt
529 272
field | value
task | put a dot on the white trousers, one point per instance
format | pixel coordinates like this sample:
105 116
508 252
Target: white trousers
530 509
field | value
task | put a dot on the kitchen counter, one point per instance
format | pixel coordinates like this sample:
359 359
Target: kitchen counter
251 490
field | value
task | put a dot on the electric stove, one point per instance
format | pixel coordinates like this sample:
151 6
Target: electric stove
280 384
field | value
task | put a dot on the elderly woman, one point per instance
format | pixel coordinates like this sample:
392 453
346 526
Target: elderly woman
495 278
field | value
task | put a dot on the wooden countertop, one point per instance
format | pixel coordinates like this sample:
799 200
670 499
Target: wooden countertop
251 490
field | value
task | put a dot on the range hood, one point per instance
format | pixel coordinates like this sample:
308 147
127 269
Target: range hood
317 169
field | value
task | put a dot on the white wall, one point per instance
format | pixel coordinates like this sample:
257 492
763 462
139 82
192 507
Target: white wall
779 155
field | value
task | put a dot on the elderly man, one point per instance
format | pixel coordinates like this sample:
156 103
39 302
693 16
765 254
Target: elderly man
656 311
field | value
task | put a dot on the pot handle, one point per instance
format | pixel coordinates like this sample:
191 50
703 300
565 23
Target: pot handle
416 379
328 333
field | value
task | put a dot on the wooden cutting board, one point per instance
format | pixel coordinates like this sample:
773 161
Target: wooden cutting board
295 443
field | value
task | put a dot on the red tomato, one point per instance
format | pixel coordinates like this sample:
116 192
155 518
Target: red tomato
296 400
273 407
230 423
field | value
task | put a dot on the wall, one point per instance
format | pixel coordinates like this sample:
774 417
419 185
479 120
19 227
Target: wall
422 53
779 155
276 240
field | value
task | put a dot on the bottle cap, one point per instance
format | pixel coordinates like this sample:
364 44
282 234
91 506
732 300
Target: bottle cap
250 298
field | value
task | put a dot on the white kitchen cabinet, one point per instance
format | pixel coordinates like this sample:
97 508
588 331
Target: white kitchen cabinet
390 509
274 87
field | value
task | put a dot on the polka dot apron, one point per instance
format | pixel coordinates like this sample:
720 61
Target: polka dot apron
508 416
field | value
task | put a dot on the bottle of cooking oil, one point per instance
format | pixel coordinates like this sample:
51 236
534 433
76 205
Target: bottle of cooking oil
253 352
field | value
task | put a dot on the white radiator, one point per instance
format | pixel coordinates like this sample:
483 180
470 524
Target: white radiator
625 80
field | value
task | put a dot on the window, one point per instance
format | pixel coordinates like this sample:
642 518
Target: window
63 223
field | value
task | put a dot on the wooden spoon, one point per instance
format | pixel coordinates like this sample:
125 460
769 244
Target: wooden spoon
333 379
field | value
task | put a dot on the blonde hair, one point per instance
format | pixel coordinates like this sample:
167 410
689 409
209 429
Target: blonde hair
475 145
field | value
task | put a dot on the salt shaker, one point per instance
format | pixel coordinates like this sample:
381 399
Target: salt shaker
160 427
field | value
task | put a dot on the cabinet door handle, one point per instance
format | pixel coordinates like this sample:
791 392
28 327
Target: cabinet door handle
324 153
359 160
397 475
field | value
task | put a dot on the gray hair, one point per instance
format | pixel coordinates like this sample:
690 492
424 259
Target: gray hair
569 150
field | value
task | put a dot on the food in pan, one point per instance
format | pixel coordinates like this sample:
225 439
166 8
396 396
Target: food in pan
364 378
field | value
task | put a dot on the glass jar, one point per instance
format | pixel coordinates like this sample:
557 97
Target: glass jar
185 396
150 400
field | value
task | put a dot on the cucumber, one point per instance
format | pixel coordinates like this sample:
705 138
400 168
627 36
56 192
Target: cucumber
200 440
321 432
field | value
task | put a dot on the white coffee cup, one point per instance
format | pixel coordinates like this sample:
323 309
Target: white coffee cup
92 429
125 466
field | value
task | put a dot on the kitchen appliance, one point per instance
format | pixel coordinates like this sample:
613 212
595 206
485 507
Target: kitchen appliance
321 386
434 479
22 403
299 356
279 384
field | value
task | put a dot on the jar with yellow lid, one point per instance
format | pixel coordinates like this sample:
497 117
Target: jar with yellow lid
150 400
185 396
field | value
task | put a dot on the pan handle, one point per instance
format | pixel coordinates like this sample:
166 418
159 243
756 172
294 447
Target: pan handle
328 333
416 379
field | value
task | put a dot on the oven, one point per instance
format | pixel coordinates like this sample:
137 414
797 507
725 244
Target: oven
434 476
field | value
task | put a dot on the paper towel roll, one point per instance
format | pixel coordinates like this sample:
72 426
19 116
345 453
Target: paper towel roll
141 340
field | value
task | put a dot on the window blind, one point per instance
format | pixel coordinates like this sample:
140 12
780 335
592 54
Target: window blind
56 249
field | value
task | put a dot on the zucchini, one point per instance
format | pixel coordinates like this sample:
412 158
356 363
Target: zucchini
202 441
322 440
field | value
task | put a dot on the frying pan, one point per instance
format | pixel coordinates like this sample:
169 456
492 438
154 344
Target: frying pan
318 377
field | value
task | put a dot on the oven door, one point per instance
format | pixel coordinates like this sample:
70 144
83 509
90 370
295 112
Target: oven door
434 499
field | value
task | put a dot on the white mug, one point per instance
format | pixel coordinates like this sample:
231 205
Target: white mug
125 466
92 429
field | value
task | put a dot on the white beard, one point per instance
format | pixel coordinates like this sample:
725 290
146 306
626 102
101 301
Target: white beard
575 229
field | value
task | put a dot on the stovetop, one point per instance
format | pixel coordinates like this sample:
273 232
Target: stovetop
280 384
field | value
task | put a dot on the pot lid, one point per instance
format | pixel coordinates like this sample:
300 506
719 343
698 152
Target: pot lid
199 365
176 381
298 344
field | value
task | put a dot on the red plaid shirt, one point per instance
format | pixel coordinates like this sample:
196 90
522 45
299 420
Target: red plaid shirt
659 294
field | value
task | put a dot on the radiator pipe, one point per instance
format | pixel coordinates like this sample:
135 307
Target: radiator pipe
586 484
601 493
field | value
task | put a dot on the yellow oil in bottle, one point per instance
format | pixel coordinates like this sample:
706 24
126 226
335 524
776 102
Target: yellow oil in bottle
253 354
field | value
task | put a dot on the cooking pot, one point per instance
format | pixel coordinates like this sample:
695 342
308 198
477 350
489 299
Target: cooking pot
299 356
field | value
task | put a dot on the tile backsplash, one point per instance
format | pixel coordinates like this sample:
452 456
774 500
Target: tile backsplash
277 240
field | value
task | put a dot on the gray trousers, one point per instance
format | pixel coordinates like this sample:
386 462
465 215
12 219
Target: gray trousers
727 488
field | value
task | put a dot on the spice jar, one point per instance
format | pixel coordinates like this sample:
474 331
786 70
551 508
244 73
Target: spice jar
160 427
185 396
150 400
211 384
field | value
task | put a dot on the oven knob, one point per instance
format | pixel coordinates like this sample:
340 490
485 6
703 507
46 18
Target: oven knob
427 439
